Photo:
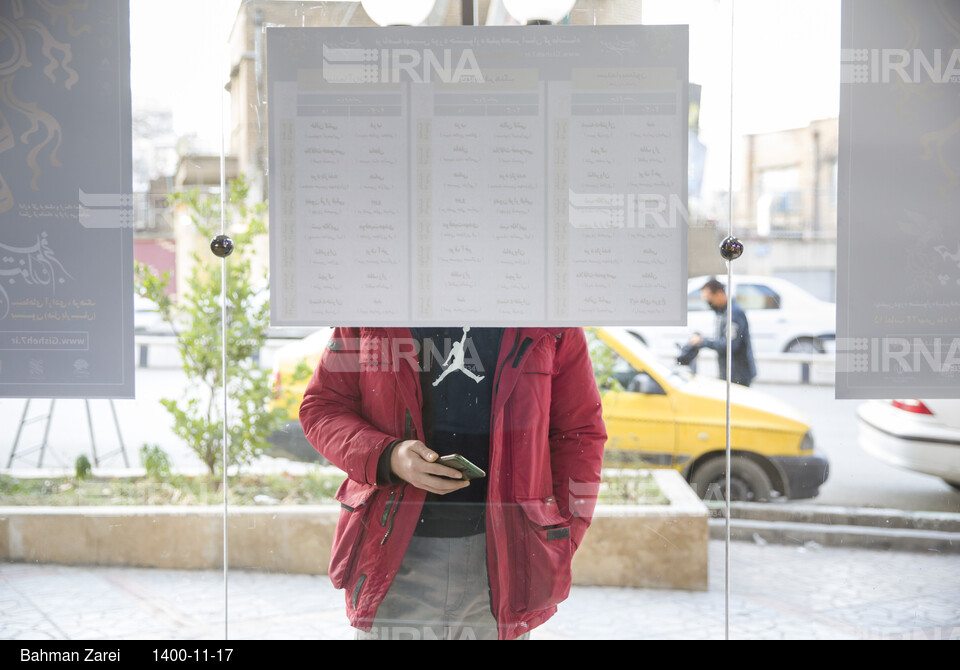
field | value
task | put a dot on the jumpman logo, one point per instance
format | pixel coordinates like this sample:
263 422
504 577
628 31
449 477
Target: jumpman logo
457 355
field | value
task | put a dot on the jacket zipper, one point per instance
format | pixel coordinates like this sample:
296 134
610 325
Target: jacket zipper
356 590
403 489
496 388
386 509
510 353
356 556
409 433
527 341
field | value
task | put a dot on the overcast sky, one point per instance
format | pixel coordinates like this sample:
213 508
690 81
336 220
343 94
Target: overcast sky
178 60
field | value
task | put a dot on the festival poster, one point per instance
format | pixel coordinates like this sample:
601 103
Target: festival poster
898 214
66 233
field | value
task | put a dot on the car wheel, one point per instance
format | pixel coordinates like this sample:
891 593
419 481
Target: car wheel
805 345
748 481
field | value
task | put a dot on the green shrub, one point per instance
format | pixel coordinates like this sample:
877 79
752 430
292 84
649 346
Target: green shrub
82 467
155 461
196 317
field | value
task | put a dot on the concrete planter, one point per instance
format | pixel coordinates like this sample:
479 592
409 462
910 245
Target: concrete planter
648 546
635 546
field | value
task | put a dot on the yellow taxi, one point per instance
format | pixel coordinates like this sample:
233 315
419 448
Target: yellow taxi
656 416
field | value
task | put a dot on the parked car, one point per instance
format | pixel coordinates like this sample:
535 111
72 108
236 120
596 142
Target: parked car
918 435
668 417
147 319
656 417
782 316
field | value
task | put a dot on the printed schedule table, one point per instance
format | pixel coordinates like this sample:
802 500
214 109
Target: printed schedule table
495 176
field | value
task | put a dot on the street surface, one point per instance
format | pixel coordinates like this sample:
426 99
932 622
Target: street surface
856 478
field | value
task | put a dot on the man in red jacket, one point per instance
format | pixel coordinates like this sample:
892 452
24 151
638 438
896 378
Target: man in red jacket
421 551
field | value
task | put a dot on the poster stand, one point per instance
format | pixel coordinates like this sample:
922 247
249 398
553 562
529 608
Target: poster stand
48 419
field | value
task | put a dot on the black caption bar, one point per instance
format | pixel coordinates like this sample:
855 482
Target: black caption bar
166 652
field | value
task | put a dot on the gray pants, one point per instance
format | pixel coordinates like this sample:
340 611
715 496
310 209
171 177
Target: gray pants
442 592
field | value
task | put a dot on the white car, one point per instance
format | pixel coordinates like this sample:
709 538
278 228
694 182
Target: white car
782 317
147 319
918 435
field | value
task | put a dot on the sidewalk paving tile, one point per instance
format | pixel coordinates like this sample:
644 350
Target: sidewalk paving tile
778 592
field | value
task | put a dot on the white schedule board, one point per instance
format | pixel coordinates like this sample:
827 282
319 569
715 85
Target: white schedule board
487 176
898 213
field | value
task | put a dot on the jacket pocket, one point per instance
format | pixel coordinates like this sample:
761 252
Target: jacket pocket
539 359
544 554
355 500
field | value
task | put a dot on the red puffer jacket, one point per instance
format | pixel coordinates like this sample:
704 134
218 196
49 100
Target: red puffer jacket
547 438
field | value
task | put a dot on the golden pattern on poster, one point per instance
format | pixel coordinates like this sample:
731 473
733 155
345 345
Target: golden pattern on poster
43 134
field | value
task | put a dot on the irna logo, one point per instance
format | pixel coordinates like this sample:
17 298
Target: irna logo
627 210
392 66
899 355
883 66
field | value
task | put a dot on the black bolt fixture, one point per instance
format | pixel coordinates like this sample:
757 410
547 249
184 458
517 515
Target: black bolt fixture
221 246
731 249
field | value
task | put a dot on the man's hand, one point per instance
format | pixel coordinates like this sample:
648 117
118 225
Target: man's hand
696 339
415 463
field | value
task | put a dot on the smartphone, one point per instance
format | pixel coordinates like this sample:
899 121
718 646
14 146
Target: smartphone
458 462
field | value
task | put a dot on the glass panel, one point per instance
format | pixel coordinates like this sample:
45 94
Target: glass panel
838 528
787 555
111 525
648 387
